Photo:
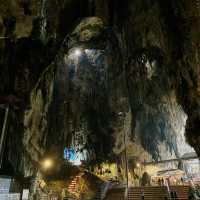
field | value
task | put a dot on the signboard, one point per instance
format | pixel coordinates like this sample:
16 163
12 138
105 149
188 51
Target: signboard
10 196
5 185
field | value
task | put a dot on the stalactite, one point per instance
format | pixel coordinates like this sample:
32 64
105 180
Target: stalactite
43 20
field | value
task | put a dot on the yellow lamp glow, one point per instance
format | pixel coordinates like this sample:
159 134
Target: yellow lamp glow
138 165
47 163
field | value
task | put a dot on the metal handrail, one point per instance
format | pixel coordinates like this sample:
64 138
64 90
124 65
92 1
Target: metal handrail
3 135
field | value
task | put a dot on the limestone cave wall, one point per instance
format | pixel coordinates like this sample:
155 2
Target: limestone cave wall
139 75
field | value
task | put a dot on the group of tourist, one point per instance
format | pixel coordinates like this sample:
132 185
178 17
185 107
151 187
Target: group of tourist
171 180
161 182
194 192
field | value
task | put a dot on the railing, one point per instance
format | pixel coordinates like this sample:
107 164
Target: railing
104 189
167 186
3 135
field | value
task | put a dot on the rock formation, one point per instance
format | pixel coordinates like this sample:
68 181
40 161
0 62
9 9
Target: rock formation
137 73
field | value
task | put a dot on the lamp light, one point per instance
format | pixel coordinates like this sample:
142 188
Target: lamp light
77 52
47 164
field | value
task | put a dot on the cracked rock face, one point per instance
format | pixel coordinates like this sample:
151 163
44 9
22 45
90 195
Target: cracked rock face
86 99
159 120
70 101
88 29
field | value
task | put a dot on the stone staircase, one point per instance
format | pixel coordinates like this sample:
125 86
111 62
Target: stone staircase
150 193
115 194
72 186
98 195
96 183
181 191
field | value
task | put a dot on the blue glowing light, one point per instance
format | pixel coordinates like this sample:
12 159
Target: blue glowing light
69 154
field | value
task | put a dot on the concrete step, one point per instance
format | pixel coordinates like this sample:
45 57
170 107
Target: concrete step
150 193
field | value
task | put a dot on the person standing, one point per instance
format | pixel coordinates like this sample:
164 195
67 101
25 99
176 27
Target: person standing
159 182
142 195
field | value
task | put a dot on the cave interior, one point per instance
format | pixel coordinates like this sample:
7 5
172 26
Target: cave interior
97 90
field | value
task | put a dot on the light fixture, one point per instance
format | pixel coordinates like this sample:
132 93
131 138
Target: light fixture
77 52
138 165
47 164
